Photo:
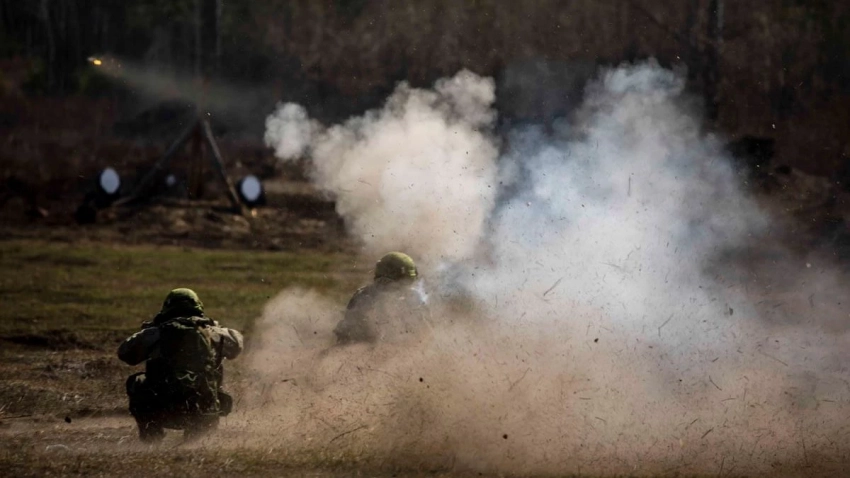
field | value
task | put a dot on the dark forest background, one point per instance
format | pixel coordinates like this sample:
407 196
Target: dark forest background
777 69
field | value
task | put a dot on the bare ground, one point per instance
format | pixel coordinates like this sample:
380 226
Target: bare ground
62 403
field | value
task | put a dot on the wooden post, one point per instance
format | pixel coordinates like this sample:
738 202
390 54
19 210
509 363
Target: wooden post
145 182
196 164
218 165
50 66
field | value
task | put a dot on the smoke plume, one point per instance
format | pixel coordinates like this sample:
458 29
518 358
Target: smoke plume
605 298
419 174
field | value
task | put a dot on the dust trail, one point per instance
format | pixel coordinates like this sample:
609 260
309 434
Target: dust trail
602 312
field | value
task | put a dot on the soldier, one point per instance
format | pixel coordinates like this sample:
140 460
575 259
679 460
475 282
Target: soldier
389 305
181 385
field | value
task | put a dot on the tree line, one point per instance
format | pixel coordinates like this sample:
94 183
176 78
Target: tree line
760 66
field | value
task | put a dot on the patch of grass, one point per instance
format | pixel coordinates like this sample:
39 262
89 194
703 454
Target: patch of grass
66 307
105 288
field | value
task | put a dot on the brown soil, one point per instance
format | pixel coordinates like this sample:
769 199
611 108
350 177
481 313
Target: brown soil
72 419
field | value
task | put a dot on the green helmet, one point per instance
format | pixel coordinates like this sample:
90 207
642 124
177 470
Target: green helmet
395 266
181 303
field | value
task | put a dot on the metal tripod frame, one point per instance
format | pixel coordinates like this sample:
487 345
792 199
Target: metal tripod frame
201 125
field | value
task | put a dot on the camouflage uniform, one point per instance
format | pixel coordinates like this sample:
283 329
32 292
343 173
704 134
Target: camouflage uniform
390 306
181 385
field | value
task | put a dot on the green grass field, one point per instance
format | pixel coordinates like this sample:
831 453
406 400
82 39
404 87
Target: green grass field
66 307
93 288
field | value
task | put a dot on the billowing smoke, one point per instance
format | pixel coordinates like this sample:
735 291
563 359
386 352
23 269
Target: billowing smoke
290 131
607 300
419 174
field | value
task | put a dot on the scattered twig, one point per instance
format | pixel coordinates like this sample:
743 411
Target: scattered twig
346 433
771 357
519 379
381 371
665 323
16 416
805 453
601 420
715 385
553 286
689 424
706 433
297 334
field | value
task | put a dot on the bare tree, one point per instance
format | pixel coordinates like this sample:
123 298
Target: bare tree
711 68
51 43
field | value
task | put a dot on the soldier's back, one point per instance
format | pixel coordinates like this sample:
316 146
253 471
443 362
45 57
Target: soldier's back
380 311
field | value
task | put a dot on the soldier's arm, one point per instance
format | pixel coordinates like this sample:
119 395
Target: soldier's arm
138 347
345 329
353 326
230 341
361 298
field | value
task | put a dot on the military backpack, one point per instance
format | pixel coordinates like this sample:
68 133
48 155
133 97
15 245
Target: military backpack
189 363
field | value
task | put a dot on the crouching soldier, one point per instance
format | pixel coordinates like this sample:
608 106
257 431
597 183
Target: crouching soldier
181 385
390 307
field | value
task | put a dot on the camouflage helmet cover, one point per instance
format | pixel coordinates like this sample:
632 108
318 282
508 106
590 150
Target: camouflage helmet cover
182 301
395 266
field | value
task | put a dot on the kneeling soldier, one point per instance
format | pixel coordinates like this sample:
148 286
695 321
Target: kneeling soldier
181 385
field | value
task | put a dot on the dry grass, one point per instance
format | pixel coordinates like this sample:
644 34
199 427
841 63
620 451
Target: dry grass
66 308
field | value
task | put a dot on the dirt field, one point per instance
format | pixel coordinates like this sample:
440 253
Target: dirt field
72 292
107 446
67 304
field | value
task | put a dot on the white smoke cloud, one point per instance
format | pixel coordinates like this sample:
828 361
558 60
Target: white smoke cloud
605 325
627 215
289 131
417 175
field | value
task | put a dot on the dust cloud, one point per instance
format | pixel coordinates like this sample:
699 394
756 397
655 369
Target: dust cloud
605 298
